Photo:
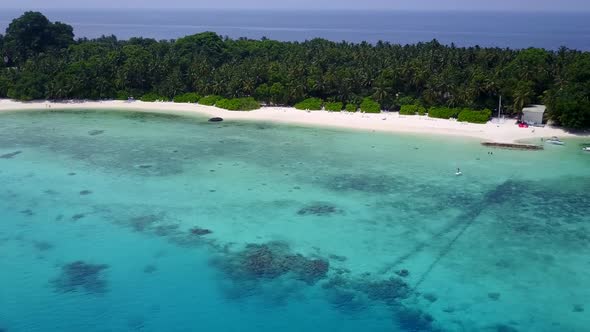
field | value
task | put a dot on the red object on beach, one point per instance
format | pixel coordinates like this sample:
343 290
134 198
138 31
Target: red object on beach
523 125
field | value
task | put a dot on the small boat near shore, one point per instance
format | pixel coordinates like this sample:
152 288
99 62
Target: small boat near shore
555 141
586 149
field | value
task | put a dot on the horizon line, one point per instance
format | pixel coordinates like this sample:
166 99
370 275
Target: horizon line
464 10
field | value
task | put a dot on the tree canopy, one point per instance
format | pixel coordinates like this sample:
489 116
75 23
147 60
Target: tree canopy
44 61
32 34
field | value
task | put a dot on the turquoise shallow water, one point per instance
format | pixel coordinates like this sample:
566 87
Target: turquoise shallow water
116 221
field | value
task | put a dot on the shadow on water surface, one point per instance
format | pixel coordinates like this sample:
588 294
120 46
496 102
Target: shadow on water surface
512 198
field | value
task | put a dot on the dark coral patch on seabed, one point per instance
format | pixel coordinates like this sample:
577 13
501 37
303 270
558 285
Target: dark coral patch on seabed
319 209
150 269
10 155
95 132
200 231
78 216
414 320
43 246
352 295
159 225
142 223
256 267
81 276
390 291
271 261
27 212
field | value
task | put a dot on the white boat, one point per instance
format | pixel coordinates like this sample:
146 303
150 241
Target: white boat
555 141
587 149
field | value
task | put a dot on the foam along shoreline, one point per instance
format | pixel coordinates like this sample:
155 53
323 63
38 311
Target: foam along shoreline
505 132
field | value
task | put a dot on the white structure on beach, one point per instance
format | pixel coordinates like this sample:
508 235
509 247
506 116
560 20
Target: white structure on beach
533 115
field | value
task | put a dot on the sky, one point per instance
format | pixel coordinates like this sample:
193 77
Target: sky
495 5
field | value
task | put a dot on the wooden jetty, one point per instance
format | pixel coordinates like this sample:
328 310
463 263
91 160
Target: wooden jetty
514 146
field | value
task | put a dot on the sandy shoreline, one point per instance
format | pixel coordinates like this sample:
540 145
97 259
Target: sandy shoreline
386 122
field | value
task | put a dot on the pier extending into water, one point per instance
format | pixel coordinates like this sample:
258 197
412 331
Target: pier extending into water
515 146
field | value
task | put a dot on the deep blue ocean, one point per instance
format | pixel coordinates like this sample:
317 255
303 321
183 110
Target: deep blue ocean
514 30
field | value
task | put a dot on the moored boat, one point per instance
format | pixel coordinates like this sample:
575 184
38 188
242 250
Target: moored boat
555 141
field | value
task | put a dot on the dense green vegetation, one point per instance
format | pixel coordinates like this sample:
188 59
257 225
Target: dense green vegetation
351 108
189 97
370 106
468 115
152 96
443 112
334 106
412 109
44 61
33 34
310 104
210 100
238 104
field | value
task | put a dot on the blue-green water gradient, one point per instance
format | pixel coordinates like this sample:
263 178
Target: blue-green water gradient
117 221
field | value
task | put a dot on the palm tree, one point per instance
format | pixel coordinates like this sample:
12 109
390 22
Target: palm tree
523 95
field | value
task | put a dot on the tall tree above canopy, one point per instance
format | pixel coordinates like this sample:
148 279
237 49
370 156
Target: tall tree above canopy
207 44
32 34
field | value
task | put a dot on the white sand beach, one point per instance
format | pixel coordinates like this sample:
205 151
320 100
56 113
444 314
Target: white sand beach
506 132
